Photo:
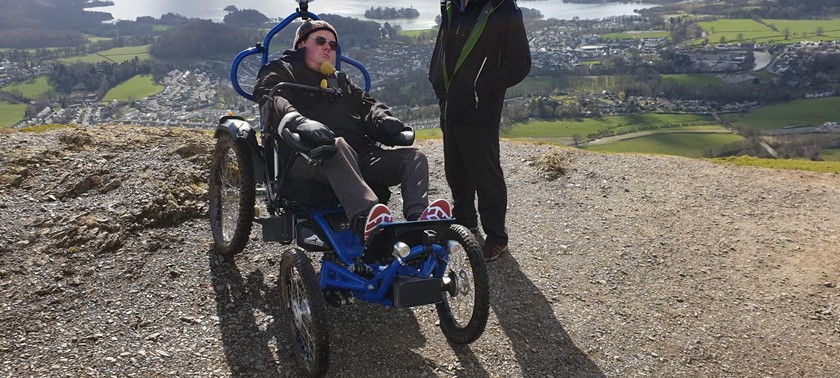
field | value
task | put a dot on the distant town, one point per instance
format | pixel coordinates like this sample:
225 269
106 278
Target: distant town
643 64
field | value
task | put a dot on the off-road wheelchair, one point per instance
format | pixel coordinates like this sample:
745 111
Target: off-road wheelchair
402 264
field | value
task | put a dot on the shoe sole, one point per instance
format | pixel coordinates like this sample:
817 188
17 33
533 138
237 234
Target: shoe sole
378 214
437 210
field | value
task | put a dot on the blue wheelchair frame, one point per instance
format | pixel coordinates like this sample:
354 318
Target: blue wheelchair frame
263 48
346 244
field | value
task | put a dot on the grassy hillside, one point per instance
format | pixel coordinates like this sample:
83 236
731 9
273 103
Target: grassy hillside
135 88
770 31
115 55
688 145
831 154
636 35
616 124
695 80
31 89
10 114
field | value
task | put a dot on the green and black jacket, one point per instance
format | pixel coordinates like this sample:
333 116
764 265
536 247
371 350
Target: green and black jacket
481 51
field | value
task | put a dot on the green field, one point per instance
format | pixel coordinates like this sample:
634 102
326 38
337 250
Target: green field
748 30
31 89
552 130
532 84
695 80
636 35
116 55
798 28
688 145
434 133
92 38
795 113
10 114
135 88
570 84
416 33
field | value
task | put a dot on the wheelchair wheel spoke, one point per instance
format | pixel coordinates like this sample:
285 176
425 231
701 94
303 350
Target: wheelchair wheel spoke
302 314
230 189
464 310
305 311
462 301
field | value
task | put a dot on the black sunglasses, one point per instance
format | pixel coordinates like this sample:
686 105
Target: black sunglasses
320 41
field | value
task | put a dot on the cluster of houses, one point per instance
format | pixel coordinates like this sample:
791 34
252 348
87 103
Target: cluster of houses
189 99
194 98
789 57
14 72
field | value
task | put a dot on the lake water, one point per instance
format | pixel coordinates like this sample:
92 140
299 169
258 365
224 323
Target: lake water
214 9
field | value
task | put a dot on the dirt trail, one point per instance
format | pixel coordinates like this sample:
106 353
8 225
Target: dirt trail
625 266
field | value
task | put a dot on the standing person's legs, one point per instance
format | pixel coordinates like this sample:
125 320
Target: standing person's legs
342 173
407 167
479 152
458 176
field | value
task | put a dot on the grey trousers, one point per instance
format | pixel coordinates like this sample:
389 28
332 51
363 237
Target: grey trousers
350 175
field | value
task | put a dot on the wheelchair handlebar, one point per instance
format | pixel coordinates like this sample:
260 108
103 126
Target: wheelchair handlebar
318 90
263 48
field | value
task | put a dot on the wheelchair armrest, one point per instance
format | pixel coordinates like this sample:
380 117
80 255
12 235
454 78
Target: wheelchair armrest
323 152
310 150
405 137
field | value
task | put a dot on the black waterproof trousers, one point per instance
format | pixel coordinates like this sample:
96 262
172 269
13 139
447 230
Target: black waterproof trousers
350 174
471 156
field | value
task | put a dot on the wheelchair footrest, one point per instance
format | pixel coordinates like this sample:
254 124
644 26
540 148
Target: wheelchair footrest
277 228
415 291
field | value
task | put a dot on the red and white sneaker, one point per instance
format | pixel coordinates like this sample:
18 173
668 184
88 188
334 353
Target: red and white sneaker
378 214
437 210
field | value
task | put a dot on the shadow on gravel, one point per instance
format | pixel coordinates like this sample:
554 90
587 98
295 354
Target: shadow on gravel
467 359
247 341
370 340
366 340
540 342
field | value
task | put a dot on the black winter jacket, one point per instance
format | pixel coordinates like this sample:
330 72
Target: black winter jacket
353 116
499 59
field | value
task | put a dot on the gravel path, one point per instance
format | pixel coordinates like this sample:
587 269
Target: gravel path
624 266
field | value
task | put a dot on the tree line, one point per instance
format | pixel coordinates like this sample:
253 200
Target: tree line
79 50
202 39
389 13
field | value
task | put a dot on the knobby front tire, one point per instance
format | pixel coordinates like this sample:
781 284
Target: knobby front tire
232 192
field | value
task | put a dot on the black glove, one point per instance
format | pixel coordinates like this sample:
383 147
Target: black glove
308 129
391 125
315 131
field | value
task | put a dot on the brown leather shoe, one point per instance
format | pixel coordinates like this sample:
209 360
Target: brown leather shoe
493 251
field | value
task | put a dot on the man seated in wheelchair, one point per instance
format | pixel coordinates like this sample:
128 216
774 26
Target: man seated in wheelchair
353 122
